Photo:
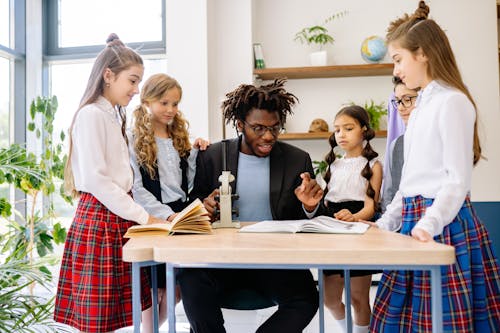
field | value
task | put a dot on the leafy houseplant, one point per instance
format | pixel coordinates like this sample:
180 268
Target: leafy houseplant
318 35
376 112
33 232
35 175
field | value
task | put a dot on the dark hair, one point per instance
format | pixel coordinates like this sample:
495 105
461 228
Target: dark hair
396 80
417 32
271 97
361 116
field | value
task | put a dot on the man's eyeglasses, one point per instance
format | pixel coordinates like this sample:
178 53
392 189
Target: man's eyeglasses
261 130
406 101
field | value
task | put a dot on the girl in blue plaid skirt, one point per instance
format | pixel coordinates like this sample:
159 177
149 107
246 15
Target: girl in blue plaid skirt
441 146
94 293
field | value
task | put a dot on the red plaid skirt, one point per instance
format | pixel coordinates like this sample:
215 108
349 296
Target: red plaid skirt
94 293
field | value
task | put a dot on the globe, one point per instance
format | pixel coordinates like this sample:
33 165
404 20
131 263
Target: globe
373 49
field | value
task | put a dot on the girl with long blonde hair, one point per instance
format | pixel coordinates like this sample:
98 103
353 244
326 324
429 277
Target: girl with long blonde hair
163 160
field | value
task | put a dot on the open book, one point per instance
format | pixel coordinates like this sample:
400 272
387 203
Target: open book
193 219
319 224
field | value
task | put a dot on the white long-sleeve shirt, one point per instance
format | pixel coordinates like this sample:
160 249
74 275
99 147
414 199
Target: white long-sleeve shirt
100 160
438 158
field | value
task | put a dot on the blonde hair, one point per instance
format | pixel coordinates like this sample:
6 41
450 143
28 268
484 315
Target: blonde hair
117 57
145 146
417 32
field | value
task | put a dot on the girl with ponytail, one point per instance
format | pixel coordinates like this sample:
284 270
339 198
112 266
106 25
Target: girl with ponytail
95 288
441 146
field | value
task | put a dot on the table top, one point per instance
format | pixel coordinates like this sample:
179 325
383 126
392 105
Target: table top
228 246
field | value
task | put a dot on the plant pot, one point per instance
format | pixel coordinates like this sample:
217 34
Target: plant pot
318 58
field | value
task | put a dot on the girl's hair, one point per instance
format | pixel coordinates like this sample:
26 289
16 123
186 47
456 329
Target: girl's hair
361 116
144 139
272 97
417 32
117 57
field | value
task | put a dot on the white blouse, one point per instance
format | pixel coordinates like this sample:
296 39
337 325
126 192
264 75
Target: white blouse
438 158
170 177
100 160
346 182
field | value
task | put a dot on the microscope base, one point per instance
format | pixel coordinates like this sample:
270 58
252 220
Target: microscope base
219 224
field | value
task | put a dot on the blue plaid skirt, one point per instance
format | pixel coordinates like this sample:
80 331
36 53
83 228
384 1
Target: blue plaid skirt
471 286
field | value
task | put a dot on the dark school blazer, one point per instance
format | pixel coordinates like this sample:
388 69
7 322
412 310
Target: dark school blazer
286 162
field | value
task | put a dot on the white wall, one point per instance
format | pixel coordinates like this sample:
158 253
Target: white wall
187 62
233 25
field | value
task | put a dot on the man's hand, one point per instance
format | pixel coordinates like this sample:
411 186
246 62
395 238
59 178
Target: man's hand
309 192
210 204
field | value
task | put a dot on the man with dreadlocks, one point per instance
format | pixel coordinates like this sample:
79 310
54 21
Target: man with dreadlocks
273 180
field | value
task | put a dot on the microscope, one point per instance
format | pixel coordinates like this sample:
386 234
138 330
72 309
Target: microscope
225 197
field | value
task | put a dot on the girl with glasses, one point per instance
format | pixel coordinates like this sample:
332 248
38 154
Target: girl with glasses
404 102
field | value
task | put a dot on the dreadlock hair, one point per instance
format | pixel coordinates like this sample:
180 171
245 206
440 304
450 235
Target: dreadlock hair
271 97
417 32
144 138
360 115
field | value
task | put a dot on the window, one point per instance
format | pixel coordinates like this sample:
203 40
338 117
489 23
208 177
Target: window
4 23
12 82
4 102
141 25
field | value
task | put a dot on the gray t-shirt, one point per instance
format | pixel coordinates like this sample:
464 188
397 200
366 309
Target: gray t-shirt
253 188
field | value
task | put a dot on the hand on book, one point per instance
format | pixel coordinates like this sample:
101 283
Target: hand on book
153 219
309 192
171 217
345 215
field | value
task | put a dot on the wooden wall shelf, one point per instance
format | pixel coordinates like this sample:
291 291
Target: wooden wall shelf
319 135
324 71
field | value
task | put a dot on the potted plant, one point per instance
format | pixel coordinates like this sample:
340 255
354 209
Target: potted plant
319 36
375 112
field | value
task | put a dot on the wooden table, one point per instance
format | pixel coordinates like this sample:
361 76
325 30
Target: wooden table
228 248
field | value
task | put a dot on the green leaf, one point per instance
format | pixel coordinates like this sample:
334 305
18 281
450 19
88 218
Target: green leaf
31 127
32 110
59 233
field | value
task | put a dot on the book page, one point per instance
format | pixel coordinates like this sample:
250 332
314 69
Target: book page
326 224
194 208
148 229
285 226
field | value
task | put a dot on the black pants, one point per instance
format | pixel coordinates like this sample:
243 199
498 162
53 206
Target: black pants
293 290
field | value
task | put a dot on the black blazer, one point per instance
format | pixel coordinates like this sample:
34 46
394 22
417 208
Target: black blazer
286 161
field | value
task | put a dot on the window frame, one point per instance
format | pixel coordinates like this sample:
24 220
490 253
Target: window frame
17 83
52 51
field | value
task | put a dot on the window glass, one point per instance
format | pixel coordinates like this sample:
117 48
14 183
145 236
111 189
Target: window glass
4 23
132 20
69 90
4 102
